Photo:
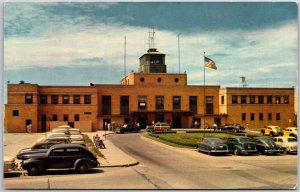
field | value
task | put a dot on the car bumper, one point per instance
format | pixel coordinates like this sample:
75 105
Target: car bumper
219 151
245 151
273 151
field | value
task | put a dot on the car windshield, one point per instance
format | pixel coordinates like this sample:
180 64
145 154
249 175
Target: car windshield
278 129
245 140
291 140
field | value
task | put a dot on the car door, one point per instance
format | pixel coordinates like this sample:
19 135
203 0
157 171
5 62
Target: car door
72 154
56 159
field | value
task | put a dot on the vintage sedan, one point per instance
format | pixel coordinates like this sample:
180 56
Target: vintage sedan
9 164
63 139
288 144
127 128
161 127
266 145
213 145
237 128
241 145
61 156
36 148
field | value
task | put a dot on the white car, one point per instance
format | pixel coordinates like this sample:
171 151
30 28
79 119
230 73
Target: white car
289 144
9 164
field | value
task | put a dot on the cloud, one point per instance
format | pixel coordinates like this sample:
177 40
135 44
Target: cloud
79 42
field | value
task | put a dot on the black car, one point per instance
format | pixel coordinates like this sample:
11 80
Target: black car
61 156
266 145
237 128
36 148
128 128
213 145
241 145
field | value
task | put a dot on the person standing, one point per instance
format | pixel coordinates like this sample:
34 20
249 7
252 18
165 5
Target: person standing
105 125
29 128
196 124
108 126
215 126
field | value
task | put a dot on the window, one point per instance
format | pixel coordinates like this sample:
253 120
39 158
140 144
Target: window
142 79
269 116
243 116
159 80
209 105
243 99
87 113
222 99
176 102
87 99
193 104
261 116
176 80
234 99
76 117
66 117
65 99
76 99
43 99
252 99
28 98
252 116
124 105
57 152
142 103
15 113
277 99
54 117
286 99
260 99
277 116
54 99
106 105
159 103
73 152
269 99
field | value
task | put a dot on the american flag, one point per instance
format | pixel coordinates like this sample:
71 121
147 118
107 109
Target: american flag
209 63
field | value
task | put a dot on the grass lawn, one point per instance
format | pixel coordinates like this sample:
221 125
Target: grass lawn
190 140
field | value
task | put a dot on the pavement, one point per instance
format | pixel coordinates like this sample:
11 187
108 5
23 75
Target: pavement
114 157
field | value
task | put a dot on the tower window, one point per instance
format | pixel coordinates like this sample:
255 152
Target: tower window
142 79
176 80
15 112
159 79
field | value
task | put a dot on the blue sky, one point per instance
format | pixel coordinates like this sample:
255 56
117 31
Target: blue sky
79 43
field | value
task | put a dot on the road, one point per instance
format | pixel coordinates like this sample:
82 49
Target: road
171 168
164 167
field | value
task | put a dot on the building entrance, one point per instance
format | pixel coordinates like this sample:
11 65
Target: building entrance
105 123
176 121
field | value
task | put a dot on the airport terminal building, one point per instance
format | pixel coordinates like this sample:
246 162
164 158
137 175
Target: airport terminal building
150 95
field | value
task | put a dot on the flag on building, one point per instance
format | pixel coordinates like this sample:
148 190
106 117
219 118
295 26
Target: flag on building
209 63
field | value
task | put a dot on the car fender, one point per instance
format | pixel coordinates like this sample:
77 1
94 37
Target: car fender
238 147
40 163
85 160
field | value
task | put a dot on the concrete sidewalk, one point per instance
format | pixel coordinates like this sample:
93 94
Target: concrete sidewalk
114 157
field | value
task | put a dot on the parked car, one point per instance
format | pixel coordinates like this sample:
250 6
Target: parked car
9 164
73 137
288 144
272 131
213 145
232 127
61 156
241 145
161 127
149 128
127 128
290 132
64 126
266 145
75 131
63 139
36 148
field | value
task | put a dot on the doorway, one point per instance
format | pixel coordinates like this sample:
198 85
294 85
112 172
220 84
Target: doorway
107 122
176 121
44 123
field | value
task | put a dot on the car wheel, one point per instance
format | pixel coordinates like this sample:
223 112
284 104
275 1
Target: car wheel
81 168
260 152
235 151
274 153
33 170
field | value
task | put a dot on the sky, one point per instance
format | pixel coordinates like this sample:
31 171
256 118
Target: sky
79 43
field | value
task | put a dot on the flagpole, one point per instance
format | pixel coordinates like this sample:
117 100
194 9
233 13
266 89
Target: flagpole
204 100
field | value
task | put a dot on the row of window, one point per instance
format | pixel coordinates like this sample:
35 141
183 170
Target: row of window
159 79
159 104
260 99
260 116
43 99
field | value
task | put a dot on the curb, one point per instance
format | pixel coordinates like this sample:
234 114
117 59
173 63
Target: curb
123 165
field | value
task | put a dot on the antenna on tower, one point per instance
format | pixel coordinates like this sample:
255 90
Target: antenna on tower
151 39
